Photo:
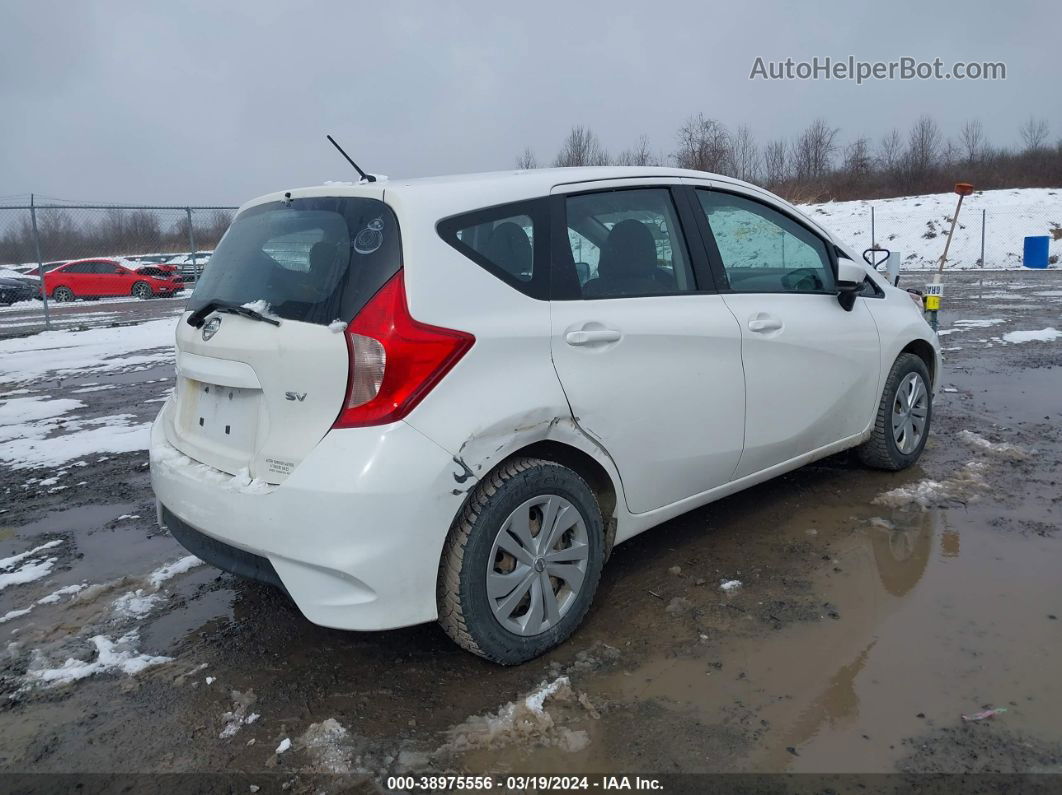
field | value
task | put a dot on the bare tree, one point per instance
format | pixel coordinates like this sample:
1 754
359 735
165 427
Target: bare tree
704 145
744 154
923 147
1034 134
950 153
776 162
581 148
972 140
219 224
813 151
142 231
857 161
638 155
890 152
59 235
527 159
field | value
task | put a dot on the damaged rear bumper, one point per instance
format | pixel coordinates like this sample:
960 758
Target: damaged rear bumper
354 534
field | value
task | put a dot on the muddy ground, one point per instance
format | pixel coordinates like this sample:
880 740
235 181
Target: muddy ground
875 610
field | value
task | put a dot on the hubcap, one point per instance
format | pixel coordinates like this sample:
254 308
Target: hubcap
909 412
537 565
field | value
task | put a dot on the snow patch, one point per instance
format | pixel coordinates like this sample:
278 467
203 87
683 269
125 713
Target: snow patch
522 722
729 585
16 412
66 590
924 493
135 604
171 570
1001 449
337 326
240 714
10 614
285 745
111 656
27 359
7 563
328 743
164 455
28 572
1043 335
35 447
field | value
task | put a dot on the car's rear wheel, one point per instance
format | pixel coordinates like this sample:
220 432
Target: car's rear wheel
901 426
522 561
142 290
62 294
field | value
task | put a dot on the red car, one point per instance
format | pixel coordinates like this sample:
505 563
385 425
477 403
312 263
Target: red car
98 278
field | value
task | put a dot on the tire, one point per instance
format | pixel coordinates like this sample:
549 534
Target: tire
484 624
62 295
888 448
142 290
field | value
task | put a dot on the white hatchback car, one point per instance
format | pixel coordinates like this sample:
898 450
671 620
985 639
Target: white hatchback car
450 398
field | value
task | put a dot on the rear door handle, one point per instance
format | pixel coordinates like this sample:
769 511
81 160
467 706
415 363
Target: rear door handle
761 324
590 336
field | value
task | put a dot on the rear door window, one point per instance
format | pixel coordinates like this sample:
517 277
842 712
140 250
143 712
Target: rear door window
506 240
622 244
314 260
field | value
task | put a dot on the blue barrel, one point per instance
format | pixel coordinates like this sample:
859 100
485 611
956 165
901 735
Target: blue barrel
1035 255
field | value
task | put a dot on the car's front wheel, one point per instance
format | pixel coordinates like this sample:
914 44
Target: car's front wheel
142 290
901 426
62 295
522 561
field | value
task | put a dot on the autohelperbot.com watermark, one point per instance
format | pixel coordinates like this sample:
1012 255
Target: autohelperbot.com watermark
852 68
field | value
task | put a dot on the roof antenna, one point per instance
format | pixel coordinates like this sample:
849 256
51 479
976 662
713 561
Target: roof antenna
364 176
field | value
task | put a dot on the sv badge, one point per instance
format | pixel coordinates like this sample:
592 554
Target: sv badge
299 396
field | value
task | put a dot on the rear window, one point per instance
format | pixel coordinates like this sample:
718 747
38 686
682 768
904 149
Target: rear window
313 260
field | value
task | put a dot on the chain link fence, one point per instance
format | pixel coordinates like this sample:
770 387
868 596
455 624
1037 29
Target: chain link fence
990 233
166 242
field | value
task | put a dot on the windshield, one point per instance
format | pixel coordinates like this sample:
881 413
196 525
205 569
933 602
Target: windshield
314 260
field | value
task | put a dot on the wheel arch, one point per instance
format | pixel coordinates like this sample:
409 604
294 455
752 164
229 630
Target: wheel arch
589 469
924 351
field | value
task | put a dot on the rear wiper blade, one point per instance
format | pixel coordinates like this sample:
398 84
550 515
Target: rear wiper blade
198 317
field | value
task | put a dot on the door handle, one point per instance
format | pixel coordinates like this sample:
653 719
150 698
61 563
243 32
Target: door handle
761 324
590 336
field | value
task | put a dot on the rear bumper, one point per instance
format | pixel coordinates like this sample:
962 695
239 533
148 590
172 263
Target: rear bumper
219 554
354 534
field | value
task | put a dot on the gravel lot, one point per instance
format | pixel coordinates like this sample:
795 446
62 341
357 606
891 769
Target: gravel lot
874 610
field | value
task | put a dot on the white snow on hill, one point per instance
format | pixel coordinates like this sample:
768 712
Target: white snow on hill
917 226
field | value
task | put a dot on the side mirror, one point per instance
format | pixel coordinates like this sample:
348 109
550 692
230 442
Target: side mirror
850 279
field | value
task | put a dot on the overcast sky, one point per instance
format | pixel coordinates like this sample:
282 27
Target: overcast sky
216 102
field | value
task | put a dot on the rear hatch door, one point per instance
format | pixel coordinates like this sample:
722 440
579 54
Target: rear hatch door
254 396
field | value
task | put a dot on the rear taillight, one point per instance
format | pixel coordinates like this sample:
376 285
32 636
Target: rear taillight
394 360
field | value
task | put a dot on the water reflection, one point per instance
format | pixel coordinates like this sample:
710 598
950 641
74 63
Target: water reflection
902 550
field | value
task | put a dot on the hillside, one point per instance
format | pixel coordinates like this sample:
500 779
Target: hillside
917 226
